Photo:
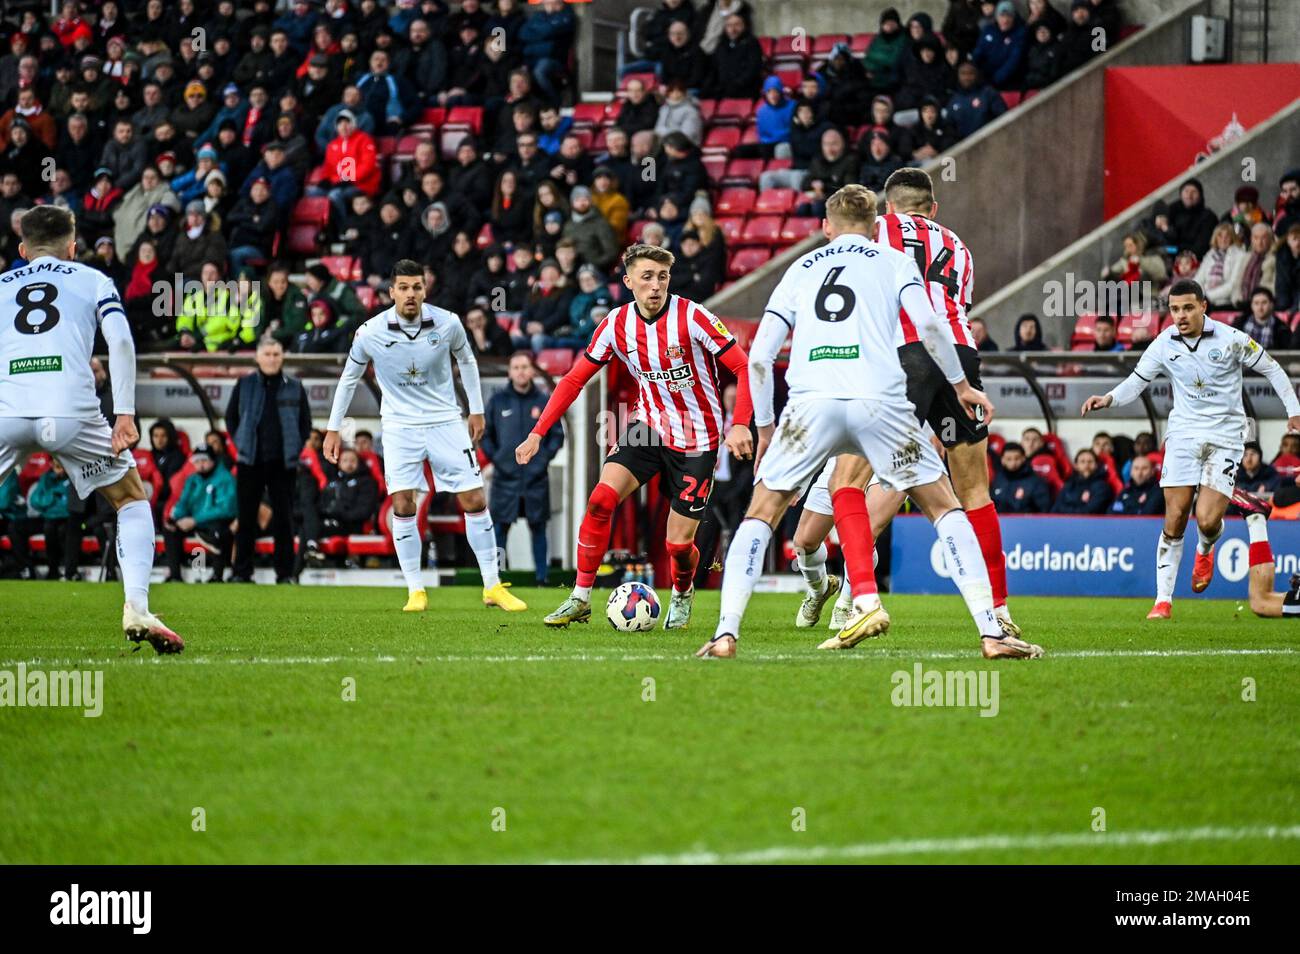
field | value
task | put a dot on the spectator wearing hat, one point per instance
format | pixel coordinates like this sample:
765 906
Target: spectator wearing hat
98 206
1042 57
193 184
1245 213
1001 48
848 88
104 258
510 414
25 155
198 242
252 223
327 129
257 64
233 109
298 22
204 512
160 228
94 83
347 308
29 109
195 112
324 335
923 71
471 177
975 104
881 161
610 202
125 155
884 53
932 133
1253 475
130 218
318 89
284 184
736 64
1078 45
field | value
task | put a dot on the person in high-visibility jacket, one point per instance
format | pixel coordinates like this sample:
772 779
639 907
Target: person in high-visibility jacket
215 318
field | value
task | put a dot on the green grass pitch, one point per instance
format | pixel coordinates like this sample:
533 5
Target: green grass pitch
467 721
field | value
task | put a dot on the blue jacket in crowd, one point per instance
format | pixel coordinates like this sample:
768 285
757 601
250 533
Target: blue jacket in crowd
510 417
998 54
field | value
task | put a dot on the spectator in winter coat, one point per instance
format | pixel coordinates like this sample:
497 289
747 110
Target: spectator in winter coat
886 50
198 243
924 73
350 165
773 119
975 104
1262 323
1029 335
1287 289
1042 58
1016 488
613 205
205 510
326 335
736 68
979 333
285 186
1001 48
932 134
848 87
1191 222
680 60
1141 496
1086 491
1079 43
252 224
695 275
1221 266
547 36
639 111
351 499
681 113
486 336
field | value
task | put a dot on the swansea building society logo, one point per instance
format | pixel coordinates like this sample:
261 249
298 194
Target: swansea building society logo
833 353
49 362
75 907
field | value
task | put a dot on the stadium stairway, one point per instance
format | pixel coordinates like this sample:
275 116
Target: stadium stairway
1058 192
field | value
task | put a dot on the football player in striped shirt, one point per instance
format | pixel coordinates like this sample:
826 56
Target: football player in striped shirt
672 347
50 310
948 270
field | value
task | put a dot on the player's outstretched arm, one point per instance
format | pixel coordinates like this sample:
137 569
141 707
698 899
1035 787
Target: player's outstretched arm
121 365
1257 359
353 368
1130 388
566 392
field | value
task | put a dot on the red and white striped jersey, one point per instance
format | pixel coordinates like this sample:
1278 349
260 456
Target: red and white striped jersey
945 264
672 358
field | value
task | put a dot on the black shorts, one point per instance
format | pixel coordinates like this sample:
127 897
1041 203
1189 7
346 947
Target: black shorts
687 478
934 398
1291 602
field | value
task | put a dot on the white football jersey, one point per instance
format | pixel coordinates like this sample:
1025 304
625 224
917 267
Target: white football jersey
1206 377
412 362
842 302
49 313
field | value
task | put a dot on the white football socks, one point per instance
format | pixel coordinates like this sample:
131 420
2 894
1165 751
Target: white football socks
1257 527
1169 553
483 541
740 572
581 593
407 543
961 549
135 541
1205 544
812 564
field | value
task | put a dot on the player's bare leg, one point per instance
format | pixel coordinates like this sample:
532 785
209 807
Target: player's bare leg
743 562
1210 509
848 498
615 484
483 541
407 543
685 557
810 555
1264 600
968 464
966 567
135 552
1169 550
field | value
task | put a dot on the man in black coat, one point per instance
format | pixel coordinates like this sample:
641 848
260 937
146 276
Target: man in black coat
737 63
1142 496
270 421
511 414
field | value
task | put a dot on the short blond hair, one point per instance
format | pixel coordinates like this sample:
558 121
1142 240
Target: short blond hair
660 256
852 206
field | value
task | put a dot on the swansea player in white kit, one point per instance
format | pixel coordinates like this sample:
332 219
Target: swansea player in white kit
1204 361
49 312
412 346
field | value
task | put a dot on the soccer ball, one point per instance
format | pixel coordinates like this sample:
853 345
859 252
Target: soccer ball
633 608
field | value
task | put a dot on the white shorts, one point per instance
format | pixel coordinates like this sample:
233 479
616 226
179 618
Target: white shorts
1192 462
885 433
446 447
83 446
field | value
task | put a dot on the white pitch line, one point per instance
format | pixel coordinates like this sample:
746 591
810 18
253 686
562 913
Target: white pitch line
950 846
864 656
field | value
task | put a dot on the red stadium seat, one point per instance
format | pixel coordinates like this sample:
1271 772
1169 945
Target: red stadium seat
311 210
860 42
366 295
823 44
304 240
733 226
343 267
598 142
767 44
733 112
433 116
585 136
707 109
648 79
749 136
1011 98
790 76
744 330
406 145
797 228
449 140
743 172
721 140
773 164
1083 332
715 166
469 117
736 200
555 361
762 230
791 44
745 260
776 201
385 146
588 114
1226 317
635 229
1149 321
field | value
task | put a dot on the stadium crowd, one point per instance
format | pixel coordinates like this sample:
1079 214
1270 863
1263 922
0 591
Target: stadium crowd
235 141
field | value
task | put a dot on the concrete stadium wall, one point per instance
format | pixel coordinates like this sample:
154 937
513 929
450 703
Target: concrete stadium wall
1029 183
1271 149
